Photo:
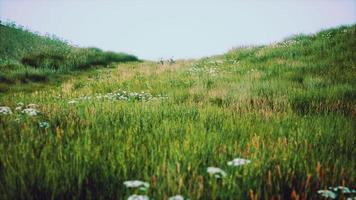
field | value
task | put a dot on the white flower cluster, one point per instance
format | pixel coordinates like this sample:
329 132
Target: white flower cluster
176 197
285 43
72 102
219 173
137 184
124 95
4 110
238 162
43 124
141 185
30 109
138 197
327 194
334 192
120 95
209 70
213 71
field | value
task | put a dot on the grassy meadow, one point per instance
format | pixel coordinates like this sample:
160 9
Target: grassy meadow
288 107
28 57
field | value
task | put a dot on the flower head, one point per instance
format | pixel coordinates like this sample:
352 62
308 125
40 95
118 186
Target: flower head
327 194
238 162
342 189
217 172
30 111
18 108
72 102
43 124
176 197
138 197
137 184
4 110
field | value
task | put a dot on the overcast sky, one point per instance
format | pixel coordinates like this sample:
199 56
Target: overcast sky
152 29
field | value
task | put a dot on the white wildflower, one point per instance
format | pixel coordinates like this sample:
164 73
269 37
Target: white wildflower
327 194
18 108
136 184
343 189
217 172
238 162
4 110
43 124
177 197
20 104
138 197
72 102
30 111
121 95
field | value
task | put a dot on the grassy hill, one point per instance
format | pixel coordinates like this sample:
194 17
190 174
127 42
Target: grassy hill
29 57
289 108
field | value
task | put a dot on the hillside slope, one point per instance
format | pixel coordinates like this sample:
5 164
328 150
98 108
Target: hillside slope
28 57
289 108
16 43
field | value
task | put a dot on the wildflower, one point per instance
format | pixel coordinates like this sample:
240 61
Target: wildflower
18 108
342 189
20 104
327 194
138 197
137 184
4 110
43 124
72 102
217 172
177 197
238 162
212 71
30 111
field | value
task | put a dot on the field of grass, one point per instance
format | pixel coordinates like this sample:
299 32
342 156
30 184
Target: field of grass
27 57
289 108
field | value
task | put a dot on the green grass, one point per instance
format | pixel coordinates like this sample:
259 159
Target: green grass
288 107
27 57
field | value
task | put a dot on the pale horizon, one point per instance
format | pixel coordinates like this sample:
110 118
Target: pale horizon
178 29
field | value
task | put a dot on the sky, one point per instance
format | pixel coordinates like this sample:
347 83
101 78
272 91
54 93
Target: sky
154 29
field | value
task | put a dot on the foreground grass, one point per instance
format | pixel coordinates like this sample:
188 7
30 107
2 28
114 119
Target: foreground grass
289 108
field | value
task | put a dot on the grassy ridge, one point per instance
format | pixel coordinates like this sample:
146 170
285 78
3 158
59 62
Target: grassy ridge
17 42
289 107
28 57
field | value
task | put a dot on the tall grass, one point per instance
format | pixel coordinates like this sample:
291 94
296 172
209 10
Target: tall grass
288 107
